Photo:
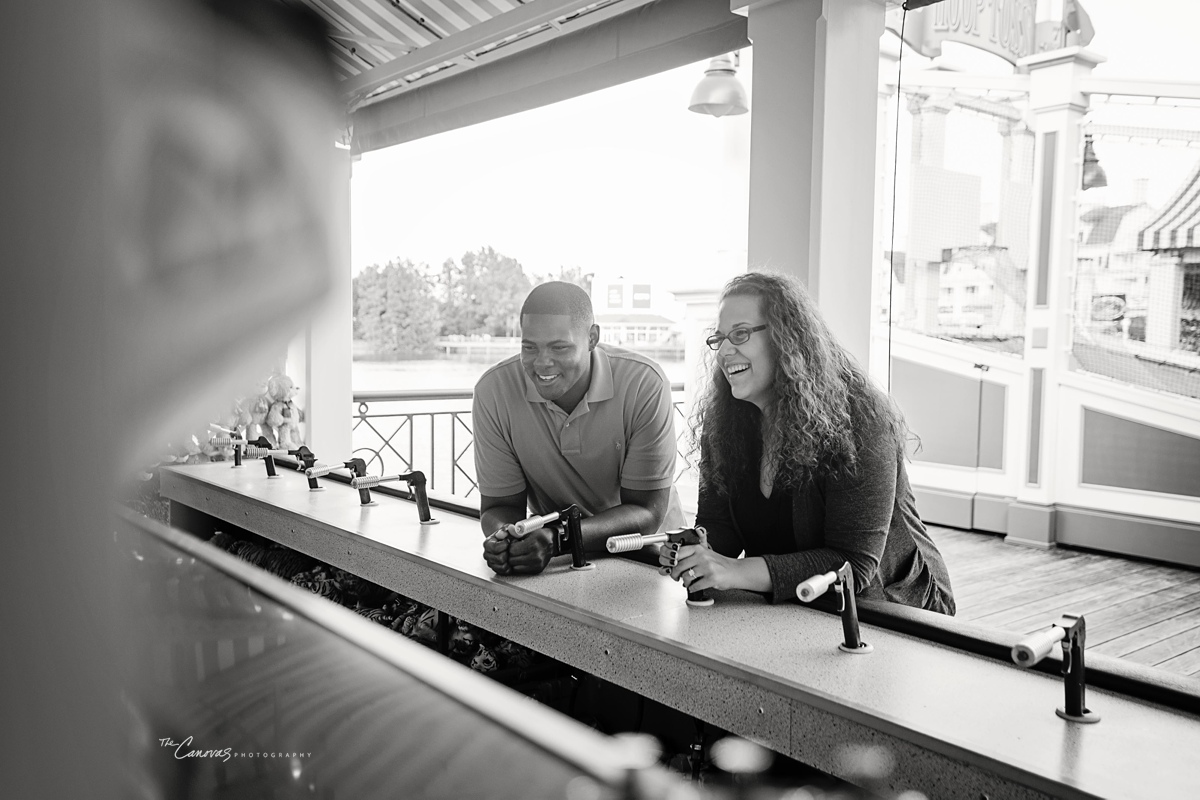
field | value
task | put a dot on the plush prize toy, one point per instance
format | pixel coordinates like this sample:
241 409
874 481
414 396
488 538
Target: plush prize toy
283 417
513 654
484 660
258 408
463 640
239 420
194 452
426 628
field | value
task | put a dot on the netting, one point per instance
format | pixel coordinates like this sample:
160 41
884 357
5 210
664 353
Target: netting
1136 302
964 183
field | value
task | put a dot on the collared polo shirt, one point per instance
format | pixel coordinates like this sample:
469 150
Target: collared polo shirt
621 434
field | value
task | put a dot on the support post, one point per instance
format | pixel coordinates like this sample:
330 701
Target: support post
1058 106
812 156
319 359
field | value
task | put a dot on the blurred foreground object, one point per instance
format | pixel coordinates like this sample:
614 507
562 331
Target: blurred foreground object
167 228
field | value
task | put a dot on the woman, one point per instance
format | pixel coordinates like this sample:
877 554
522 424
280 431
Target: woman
801 462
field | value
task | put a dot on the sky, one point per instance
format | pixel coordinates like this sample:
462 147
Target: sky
621 181
627 181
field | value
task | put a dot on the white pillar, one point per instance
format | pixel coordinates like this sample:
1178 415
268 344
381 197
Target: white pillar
319 359
699 318
925 278
1165 299
813 149
1059 106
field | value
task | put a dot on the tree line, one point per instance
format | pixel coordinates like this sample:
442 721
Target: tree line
401 309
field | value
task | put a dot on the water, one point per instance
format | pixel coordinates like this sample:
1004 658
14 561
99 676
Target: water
454 374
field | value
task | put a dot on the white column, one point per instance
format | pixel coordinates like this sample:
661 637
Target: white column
1165 299
700 317
1058 106
319 359
813 149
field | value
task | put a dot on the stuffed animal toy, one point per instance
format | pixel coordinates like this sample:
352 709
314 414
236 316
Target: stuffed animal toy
275 415
288 428
513 655
484 660
258 408
239 418
405 625
463 640
426 628
194 451
283 417
281 389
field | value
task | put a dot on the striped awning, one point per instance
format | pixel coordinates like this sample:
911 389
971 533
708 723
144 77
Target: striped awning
1178 225
413 68
381 46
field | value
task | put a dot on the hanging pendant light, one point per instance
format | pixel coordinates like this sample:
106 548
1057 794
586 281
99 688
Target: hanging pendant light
1093 173
719 92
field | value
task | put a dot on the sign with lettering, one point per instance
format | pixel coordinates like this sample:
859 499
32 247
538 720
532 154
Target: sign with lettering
1005 28
616 295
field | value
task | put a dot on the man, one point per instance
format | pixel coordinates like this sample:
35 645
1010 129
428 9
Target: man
571 421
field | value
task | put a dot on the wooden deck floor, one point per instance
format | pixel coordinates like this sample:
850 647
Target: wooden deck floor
1143 612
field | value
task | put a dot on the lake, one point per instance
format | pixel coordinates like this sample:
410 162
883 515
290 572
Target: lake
434 373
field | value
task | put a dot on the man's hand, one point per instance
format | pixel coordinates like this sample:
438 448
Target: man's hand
531 553
507 553
495 553
496 516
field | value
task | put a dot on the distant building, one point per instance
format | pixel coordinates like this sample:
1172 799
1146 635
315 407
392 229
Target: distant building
1173 237
633 312
1112 274
632 330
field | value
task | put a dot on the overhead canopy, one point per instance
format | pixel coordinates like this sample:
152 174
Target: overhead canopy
1178 225
414 68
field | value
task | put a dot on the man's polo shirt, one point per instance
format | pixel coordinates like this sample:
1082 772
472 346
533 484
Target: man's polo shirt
621 434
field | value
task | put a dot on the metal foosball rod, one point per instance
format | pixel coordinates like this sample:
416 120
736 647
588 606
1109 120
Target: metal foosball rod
357 467
842 581
572 519
1071 631
416 484
677 538
568 539
305 460
263 448
232 438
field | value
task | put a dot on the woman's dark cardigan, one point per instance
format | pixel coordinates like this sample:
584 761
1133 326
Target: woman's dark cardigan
869 519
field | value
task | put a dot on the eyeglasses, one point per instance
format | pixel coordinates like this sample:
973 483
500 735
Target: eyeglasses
735 336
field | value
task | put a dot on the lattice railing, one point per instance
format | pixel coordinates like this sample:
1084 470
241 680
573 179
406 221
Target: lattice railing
431 431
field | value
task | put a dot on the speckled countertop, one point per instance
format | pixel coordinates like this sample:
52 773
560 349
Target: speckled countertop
957 725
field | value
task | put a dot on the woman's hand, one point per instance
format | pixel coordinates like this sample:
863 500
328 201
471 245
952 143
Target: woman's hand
699 567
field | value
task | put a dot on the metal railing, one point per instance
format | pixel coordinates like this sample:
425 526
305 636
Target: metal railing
431 430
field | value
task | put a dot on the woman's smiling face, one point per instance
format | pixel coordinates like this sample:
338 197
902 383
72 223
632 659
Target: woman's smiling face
749 367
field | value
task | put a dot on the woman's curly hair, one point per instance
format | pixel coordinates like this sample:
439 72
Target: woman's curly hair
823 402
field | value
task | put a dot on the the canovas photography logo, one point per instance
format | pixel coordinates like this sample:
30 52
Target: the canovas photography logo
188 749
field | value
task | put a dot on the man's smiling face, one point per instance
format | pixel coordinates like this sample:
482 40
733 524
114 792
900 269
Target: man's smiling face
556 354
